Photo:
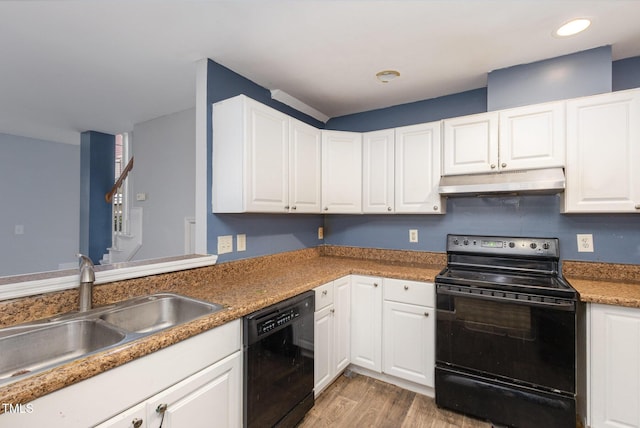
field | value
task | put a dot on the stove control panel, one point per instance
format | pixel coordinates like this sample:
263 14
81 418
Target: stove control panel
506 245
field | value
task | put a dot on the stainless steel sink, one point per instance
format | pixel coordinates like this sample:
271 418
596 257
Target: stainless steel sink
158 312
50 345
34 347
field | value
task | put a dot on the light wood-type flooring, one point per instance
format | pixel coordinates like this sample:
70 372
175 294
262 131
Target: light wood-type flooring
360 401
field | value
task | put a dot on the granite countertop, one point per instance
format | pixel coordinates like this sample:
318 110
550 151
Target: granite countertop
604 283
241 287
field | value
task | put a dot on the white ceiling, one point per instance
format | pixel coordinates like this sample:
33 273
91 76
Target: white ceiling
71 66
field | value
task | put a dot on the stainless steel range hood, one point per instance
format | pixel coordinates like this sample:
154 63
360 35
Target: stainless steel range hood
535 181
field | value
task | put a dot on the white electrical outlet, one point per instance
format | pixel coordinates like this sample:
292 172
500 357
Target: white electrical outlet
585 243
241 242
321 232
225 244
413 235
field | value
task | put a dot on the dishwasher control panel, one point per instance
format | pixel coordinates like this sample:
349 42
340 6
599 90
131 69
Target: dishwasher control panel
277 320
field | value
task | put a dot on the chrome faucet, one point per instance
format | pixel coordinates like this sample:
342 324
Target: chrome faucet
87 277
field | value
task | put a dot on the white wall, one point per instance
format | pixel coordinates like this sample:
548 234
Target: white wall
164 169
40 190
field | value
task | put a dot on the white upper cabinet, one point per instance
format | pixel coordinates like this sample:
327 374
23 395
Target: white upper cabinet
305 179
470 144
532 137
417 169
603 149
341 172
251 160
378 171
521 138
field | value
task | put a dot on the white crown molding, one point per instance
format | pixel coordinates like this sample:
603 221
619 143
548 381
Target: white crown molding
283 97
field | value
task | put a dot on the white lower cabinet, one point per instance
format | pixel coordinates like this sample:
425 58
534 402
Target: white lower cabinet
199 379
614 366
366 322
331 332
210 397
408 332
393 328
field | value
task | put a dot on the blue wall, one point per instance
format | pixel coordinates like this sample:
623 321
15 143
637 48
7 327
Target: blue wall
266 233
626 74
616 237
97 166
570 76
464 103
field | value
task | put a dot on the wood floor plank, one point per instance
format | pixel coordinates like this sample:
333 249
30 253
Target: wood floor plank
360 401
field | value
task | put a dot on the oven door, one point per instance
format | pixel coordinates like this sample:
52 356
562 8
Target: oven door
514 337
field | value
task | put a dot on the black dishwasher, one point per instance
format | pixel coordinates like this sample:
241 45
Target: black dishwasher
278 363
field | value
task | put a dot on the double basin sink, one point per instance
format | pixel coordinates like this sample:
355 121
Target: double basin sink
30 348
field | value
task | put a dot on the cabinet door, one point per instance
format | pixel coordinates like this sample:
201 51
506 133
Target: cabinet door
323 331
132 418
409 342
305 179
209 398
470 144
378 171
532 137
342 324
267 159
341 172
614 392
366 322
417 169
603 148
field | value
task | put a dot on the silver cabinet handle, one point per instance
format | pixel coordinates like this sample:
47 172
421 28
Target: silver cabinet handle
326 208
406 287
504 165
493 166
388 208
162 408
136 423
375 284
294 207
426 314
333 311
638 206
435 208
324 292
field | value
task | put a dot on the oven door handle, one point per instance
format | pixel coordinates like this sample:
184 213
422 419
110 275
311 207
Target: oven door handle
557 304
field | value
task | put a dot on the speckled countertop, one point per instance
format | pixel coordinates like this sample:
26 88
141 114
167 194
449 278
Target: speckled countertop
241 287
605 283
245 286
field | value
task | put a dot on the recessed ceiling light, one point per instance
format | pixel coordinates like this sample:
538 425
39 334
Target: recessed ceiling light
387 76
572 27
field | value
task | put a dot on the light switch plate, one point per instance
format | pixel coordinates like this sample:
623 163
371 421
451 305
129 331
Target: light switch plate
413 235
241 242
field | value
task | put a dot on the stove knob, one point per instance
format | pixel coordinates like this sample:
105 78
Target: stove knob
533 245
546 245
466 242
456 242
512 244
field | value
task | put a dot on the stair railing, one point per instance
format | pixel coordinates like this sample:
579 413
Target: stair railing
117 197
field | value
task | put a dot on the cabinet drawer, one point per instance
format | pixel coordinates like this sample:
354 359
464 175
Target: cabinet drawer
412 292
324 295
